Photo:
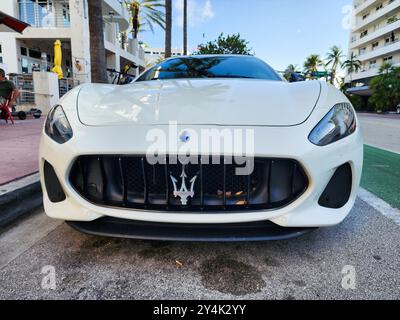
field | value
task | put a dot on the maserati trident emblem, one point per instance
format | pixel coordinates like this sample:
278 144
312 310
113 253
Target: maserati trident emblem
183 193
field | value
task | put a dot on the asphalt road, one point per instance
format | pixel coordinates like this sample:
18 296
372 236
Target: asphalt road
382 131
309 267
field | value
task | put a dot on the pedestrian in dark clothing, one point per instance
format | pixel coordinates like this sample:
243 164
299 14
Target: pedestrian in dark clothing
8 91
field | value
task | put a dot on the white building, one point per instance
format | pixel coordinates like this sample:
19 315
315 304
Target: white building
375 39
154 55
68 21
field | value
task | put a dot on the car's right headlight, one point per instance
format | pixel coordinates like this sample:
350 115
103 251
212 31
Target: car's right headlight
57 126
339 123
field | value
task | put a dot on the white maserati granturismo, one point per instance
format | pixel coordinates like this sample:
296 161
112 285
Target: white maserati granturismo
202 148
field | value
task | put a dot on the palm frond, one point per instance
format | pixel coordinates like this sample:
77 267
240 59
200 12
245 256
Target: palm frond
146 14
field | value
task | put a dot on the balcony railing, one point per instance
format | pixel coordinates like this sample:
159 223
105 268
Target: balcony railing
24 82
141 53
373 16
110 34
67 84
361 3
369 71
45 13
132 46
387 28
381 50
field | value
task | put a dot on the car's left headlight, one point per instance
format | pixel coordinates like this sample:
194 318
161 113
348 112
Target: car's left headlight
57 126
339 123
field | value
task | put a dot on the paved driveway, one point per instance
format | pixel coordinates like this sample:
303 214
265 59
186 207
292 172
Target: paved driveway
310 267
382 131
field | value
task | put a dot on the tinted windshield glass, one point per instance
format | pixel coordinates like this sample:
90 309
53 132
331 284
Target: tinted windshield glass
211 67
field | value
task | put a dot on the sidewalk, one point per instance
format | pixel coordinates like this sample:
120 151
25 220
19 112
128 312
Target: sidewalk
19 148
381 130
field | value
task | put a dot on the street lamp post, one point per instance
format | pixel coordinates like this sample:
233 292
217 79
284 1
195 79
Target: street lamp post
185 35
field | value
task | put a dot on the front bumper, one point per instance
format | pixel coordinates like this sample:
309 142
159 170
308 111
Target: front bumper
229 232
320 164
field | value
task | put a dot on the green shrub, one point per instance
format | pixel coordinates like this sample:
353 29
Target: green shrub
358 102
386 90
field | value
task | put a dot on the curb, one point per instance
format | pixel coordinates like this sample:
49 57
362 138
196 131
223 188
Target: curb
19 198
379 205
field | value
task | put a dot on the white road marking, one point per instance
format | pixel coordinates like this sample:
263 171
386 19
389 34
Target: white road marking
380 205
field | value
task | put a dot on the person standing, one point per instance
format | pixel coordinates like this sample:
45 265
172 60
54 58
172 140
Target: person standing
8 91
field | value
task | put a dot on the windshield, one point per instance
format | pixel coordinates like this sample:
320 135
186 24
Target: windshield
211 67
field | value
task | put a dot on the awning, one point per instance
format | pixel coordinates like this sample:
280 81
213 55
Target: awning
363 91
10 24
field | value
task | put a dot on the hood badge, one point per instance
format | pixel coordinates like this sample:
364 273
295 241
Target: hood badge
183 193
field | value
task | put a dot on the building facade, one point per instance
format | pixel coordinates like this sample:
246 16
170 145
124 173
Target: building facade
154 55
375 39
68 21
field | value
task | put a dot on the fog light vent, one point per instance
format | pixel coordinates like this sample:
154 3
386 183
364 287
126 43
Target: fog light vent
338 191
53 185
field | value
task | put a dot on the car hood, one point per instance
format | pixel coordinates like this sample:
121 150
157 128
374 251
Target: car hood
226 102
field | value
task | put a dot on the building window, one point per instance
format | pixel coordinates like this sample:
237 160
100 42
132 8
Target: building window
375 45
364 33
388 60
379 7
365 16
24 51
391 39
66 15
45 13
24 65
372 64
35 54
362 51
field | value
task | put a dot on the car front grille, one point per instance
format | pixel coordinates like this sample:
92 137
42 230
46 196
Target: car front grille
131 182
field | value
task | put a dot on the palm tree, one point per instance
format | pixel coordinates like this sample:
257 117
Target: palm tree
168 28
97 49
185 31
289 71
311 65
145 13
352 65
386 68
334 60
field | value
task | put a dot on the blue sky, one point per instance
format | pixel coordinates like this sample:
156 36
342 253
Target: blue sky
279 31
